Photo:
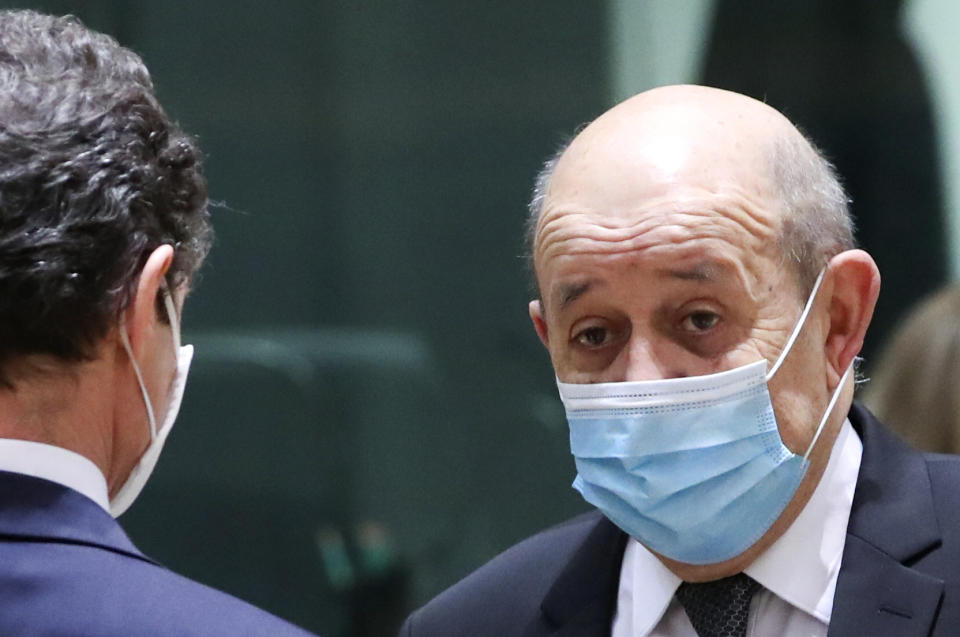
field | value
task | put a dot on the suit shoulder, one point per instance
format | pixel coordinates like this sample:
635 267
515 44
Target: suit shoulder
947 460
944 472
88 590
234 616
943 468
508 589
538 558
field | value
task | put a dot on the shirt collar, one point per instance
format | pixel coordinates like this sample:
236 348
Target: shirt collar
801 567
55 464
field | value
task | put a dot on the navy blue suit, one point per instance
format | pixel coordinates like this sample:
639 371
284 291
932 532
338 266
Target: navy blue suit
67 568
899 575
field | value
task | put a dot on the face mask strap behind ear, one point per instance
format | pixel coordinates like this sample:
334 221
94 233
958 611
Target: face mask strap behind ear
172 316
143 386
125 339
799 326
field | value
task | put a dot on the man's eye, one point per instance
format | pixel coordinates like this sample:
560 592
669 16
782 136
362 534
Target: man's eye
700 321
593 337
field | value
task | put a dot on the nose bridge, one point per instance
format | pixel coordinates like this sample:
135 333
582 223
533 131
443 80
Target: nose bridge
642 359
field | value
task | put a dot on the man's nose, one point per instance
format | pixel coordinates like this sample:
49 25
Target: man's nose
645 359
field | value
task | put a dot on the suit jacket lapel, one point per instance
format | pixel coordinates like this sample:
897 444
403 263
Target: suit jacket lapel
40 510
892 522
582 600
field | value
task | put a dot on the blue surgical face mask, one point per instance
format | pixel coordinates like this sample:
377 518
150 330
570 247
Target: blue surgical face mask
694 468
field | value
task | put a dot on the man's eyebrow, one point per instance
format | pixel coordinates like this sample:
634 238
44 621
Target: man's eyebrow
698 272
566 293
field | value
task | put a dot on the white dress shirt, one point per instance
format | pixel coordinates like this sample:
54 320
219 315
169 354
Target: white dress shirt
798 573
55 464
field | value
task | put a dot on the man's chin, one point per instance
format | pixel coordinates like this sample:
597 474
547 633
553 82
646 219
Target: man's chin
709 572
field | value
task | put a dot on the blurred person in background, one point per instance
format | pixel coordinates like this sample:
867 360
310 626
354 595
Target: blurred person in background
913 383
103 224
703 302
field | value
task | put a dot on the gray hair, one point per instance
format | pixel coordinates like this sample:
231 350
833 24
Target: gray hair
534 210
817 224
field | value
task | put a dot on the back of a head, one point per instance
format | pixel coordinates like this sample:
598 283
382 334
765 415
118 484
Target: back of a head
93 176
912 386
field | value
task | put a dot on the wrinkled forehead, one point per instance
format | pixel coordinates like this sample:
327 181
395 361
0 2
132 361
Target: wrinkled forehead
685 233
658 160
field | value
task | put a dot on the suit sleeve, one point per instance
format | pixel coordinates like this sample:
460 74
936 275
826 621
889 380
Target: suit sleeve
407 629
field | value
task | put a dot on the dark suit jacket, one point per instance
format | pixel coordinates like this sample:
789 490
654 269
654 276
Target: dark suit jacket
900 572
67 568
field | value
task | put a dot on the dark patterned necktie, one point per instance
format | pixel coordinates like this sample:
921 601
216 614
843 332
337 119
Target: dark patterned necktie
719 608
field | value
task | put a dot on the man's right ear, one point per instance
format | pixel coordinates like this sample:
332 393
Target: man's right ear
539 321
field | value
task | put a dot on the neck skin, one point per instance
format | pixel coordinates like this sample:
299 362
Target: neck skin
95 407
77 406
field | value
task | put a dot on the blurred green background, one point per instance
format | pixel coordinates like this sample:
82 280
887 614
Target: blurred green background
369 415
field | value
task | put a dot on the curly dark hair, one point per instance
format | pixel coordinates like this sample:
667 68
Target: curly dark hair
93 177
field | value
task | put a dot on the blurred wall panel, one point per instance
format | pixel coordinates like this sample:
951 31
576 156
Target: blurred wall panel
847 75
371 164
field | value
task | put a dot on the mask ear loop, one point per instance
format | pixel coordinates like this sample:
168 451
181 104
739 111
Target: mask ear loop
171 316
830 406
143 386
125 339
799 326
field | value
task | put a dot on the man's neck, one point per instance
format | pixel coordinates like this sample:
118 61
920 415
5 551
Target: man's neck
68 406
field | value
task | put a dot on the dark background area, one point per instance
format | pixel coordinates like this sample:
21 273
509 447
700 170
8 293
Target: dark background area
848 76
369 415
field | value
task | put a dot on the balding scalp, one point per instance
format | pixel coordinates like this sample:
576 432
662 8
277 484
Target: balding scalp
815 222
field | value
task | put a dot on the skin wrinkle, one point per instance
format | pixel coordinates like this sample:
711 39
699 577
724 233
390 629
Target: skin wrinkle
707 271
769 330
704 273
714 198
556 234
747 282
652 249
791 172
662 212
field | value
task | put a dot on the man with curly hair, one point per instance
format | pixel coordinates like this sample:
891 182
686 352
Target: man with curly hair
103 223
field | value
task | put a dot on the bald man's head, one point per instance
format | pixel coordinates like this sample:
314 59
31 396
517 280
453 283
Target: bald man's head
660 237
673 135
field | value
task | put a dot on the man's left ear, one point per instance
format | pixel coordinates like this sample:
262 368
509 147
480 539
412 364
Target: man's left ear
855 285
141 315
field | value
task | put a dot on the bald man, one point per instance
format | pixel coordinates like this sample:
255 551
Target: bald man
703 305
